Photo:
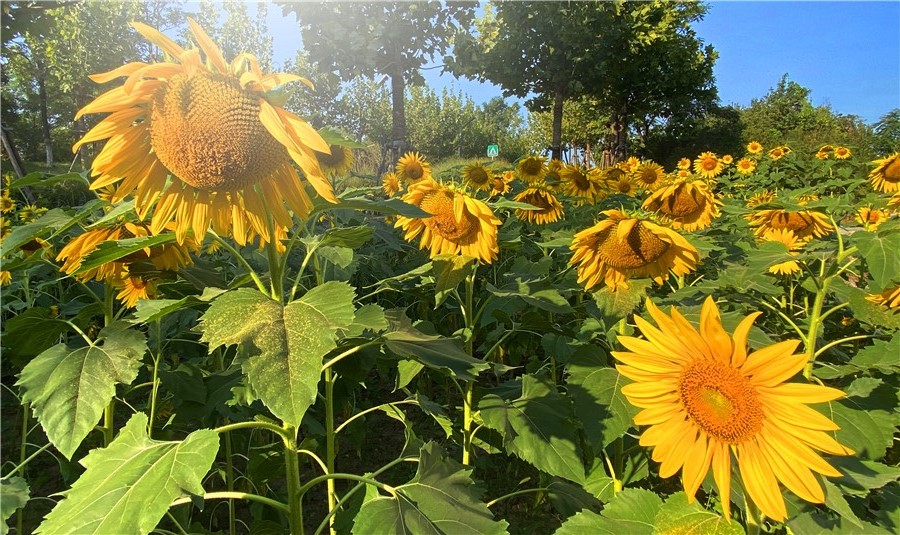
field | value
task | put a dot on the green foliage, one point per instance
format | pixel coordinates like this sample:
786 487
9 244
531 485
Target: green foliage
596 391
14 494
128 486
441 498
632 511
68 387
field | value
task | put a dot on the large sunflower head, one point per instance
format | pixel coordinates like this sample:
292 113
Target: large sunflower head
412 168
687 206
794 244
210 126
754 147
619 248
806 224
631 164
478 177
649 175
745 166
707 403
577 182
842 153
390 184
531 169
459 224
549 208
708 165
336 163
886 175
621 182
871 218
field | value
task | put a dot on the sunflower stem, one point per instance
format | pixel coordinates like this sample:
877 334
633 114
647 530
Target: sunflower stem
469 399
229 482
330 452
154 387
292 472
241 260
815 320
109 410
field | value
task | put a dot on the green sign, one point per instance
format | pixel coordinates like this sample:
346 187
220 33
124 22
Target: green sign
493 151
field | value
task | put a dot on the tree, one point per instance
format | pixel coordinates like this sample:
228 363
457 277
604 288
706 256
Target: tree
393 39
552 51
886 138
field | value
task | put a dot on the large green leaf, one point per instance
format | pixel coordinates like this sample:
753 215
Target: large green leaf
392 206
14 494
291 340
23 234
128 486
596 391
882 254
69 387
440 499
632 512
868 431
149 310
32 331
449 271
534 293
538 427
110 251
861 477
678 516
434 351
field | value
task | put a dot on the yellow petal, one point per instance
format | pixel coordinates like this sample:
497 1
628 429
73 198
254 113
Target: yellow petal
711 330
759 481
740 340
213 54
153 35
118 72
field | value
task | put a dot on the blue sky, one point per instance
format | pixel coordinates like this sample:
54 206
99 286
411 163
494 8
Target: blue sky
846 53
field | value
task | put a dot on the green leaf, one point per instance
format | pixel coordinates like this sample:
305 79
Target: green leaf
434 351
350 237
678 516
367 318
598 483
860 477
767 254
538 427
69 387
14 494
449 271
19 236
534 293
632 511
862 387
393 206
111 251
333 137
834 500
880 356
818 523
867 432
118 210
622 302
864 310
568 498
505 203
128 486
596 391
32 331
291 341
440 499
46 179
150 310
882 255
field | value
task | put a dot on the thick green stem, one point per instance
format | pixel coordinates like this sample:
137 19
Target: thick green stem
155 382
292 473
468 314
467 424
229 483
282 432
109 410
815 320
330 433
516 493
22 451
236 496
237 255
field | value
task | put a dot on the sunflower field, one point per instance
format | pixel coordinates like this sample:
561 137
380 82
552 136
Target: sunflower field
232 336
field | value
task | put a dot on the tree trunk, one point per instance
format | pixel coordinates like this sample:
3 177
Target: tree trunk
619 128
41 73
398 101
559 97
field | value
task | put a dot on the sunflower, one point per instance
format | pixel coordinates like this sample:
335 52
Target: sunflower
686 206
727 159
412 168
549 208
754 147
889 298
210 126
894 201
132 289
164 257
500 184
745 166
531 169
619 248
390 184
826 149
777 153
577 182
478 177
683 174
790 240
684 163
649 175
7 204
708 165
806 198
336 163
551 177
618 181
5 278
763 197
842 153
631 164
886 175
806 224
822 155
870 219
459 224
704 398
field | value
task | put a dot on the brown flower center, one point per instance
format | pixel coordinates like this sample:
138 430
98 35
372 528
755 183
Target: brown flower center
796 221
333 160
206 130
720 401
709 164
684 203
581 181
444 223
640 248
648 176
892 171
538 200
478 176
531 166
